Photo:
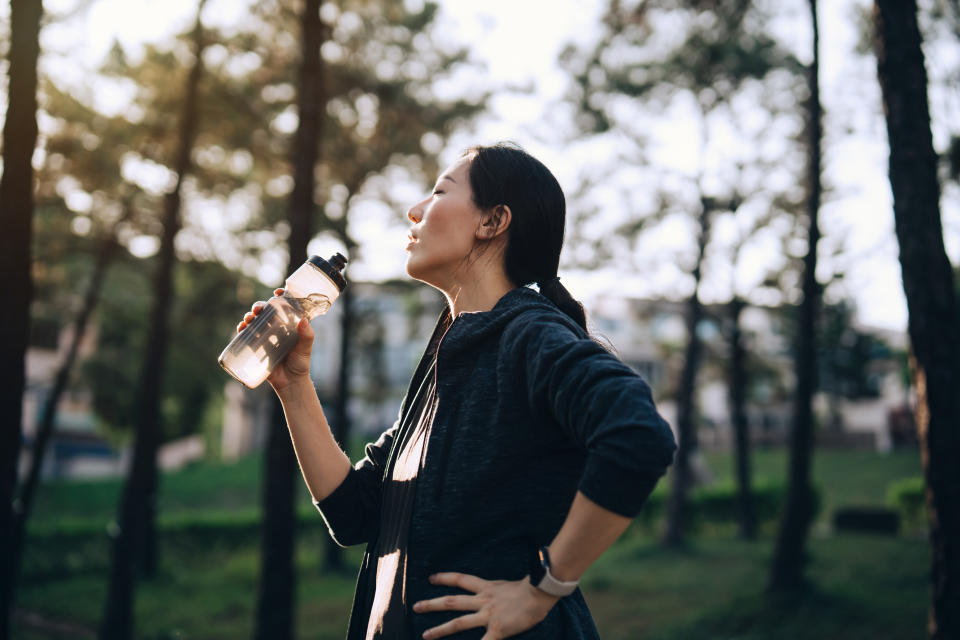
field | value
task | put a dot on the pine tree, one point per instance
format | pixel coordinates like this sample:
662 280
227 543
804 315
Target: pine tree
713 55
16 212
786 571
931 299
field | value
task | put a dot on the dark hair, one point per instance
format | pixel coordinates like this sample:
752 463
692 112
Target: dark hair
505 174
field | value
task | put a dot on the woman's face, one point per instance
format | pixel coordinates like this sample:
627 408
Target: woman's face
444 228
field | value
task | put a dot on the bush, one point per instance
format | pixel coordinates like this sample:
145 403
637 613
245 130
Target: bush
717 505
867 520
909 498
77 546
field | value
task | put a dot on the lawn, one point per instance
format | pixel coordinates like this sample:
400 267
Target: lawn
863 586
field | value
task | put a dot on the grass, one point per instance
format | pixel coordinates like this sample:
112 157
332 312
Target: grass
862 586
845 478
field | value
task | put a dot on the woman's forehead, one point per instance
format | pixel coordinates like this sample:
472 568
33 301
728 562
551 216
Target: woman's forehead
457 170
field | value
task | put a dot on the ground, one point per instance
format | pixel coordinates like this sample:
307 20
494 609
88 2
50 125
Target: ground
862 586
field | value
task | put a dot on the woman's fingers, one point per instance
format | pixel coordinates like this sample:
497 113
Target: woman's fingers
449 603
456 625
462 580
305 332
278 291
250 315
298 360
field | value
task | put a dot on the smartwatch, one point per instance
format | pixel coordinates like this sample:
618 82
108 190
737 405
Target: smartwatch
542 579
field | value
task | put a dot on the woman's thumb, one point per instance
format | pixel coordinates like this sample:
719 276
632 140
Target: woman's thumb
305 331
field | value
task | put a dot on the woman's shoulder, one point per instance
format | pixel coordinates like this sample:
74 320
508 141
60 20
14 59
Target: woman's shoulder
543 322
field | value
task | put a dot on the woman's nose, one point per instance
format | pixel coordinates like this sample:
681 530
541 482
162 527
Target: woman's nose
414 213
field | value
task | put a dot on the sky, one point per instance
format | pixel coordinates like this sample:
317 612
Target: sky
856 216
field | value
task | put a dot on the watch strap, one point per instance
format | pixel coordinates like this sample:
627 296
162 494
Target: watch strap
548 583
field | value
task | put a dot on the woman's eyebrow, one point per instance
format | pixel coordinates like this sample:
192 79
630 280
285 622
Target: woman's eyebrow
446 177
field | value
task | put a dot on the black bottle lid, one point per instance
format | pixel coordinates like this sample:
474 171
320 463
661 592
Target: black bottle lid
331 268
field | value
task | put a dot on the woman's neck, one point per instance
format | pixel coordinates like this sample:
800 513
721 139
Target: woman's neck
478 293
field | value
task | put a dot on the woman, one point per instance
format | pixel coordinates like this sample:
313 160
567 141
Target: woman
523 448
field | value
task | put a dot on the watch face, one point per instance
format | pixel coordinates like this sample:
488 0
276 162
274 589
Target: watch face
537 568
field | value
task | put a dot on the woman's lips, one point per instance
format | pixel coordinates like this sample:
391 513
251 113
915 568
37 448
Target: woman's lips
412 241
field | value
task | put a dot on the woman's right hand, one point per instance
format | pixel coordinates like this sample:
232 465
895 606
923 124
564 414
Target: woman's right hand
296 366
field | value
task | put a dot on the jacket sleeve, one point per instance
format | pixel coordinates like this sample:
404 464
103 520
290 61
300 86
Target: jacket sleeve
352 511
603 406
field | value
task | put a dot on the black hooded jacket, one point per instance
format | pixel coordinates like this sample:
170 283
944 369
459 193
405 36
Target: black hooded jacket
530 410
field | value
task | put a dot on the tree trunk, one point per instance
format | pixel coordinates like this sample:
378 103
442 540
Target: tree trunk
675 534
786 572
341 423
134 545
931 299
48 414
277 588
16 285
738 418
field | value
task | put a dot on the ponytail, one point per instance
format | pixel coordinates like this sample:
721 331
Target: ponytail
505 174
558 295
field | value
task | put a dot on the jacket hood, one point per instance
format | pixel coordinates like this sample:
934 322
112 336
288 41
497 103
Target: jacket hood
467 329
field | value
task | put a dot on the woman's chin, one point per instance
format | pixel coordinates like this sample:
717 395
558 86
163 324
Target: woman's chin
412 270
417 272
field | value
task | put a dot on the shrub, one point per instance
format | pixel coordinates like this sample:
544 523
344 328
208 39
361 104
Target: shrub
717 505
867 519
909 498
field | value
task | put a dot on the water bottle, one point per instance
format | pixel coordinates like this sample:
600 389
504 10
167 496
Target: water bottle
308 292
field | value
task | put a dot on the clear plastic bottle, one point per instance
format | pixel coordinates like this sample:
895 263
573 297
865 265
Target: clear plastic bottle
309 291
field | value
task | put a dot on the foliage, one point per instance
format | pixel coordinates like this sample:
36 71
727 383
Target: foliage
210 300
709 65
908 495
845 354
209 536
716 505
868 588
109 174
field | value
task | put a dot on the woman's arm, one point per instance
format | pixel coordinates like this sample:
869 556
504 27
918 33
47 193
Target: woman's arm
602 405
588 531
506 608
323 465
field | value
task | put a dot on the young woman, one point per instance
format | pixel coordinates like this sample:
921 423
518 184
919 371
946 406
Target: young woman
523 448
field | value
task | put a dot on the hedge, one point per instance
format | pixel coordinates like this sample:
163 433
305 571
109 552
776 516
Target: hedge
717 505
909 498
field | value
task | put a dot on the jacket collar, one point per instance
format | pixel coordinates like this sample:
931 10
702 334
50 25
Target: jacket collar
467 329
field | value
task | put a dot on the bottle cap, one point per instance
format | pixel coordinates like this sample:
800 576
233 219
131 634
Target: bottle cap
331 268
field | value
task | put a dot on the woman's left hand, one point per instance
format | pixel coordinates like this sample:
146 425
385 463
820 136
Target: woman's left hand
504 607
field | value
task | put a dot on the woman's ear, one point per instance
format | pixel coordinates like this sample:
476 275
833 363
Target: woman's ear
494 222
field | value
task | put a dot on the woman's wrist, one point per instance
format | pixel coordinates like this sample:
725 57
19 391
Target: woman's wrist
544 601
295 387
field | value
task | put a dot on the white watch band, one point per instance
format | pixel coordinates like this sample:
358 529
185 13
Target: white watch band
555 587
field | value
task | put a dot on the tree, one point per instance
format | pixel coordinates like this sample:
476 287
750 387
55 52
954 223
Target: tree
722 60
377 115
48 413
135 540
16 212
275 594
686 429
786 571
341 414
929 288
737 389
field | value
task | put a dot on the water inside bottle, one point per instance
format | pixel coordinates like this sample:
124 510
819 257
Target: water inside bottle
313 305
269 337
